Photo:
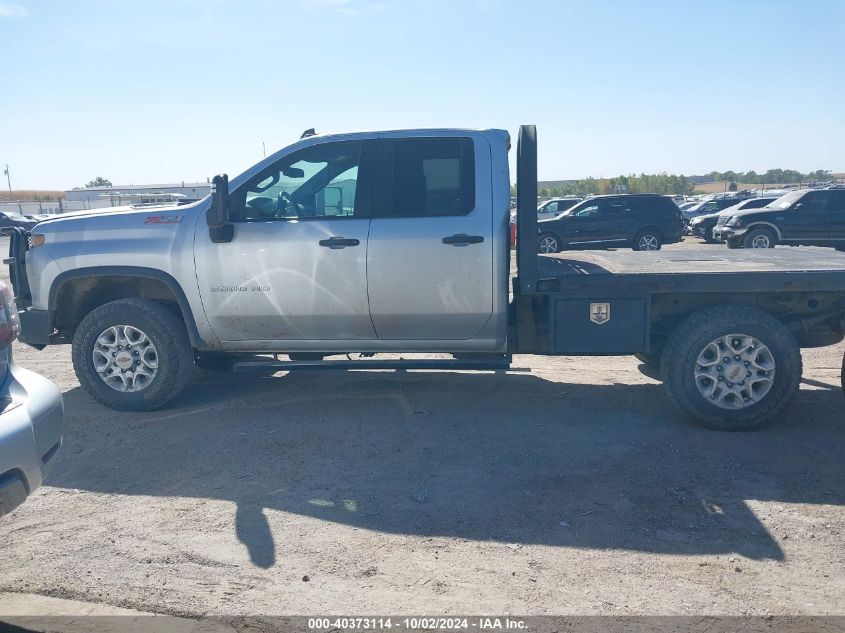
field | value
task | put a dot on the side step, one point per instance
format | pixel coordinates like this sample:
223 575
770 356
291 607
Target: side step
474 364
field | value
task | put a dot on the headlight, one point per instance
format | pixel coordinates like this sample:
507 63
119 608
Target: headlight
734 223
696 221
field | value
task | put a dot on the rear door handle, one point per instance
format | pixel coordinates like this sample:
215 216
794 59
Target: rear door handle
339 242
462 239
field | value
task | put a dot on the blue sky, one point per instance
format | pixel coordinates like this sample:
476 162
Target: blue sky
168 90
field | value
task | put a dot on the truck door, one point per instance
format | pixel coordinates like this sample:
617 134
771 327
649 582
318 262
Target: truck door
605 220
837 216
430 254
296 268
809 218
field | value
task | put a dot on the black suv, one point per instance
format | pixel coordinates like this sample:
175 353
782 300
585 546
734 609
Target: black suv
814 217
642 221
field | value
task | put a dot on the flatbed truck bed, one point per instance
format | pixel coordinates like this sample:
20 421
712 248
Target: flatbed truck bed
698 270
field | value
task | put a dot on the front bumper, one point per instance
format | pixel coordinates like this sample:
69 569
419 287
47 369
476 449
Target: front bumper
725 233
30 434
36 327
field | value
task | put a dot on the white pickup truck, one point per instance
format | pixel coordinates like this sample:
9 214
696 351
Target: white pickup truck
399 242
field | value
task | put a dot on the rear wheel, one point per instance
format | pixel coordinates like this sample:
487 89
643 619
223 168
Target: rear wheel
548 243
759 238
648 240
731 368
132 355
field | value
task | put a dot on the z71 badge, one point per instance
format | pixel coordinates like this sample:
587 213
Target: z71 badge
163 219
599 313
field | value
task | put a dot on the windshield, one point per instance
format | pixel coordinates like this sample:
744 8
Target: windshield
784 202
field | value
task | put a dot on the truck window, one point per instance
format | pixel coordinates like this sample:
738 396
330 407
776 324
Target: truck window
430 177
587 211
320 182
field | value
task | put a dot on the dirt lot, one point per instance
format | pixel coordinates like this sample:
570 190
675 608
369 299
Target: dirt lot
571 488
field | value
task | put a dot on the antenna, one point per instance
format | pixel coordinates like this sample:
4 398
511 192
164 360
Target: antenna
309 132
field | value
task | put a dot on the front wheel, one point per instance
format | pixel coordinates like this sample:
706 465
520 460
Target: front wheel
759 238
132 355
731 368
647 241
548 243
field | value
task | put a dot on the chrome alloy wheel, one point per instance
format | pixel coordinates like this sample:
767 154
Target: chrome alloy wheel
735 371
125 358
761 241
548 244
648 243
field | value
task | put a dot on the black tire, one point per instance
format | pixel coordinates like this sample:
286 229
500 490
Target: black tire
733 243
549 239
755 237
652 235
164 330
692 336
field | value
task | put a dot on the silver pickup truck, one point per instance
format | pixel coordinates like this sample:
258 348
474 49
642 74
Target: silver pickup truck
399 242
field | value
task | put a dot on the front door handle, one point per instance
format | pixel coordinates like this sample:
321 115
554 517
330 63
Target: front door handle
339 242
462 239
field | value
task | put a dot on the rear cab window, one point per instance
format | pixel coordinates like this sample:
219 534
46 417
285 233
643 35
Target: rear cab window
426 177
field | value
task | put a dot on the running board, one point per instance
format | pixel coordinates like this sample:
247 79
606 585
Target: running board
503 362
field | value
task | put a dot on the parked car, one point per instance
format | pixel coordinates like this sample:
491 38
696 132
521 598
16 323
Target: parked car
9 219
714 205
642 221
812 217
703 225
689 205
31 413
553 208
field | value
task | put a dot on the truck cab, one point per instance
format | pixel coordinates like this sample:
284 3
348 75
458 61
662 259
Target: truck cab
386 241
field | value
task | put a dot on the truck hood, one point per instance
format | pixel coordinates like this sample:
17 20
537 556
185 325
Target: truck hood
757 211
109 213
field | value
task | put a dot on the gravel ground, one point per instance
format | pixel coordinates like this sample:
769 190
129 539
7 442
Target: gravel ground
571 488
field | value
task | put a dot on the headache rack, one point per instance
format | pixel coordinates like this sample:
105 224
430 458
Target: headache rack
18 246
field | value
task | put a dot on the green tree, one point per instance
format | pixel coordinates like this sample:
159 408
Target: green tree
99 181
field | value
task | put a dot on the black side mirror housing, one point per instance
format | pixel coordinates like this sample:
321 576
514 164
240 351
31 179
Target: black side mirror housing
220 229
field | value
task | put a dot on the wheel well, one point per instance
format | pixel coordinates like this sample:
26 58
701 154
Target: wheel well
649 229
815 318
766 227
77 297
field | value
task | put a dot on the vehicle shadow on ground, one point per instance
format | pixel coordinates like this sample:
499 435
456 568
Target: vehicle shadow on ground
515 459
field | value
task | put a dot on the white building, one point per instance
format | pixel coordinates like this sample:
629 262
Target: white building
140 194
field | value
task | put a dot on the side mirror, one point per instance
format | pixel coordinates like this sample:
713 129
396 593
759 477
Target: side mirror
797 205
220 229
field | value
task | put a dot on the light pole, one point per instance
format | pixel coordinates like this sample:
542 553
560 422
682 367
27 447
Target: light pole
8 180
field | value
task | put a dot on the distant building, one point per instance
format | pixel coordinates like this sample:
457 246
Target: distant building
116 195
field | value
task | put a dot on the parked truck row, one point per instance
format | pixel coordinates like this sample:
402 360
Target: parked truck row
398 241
